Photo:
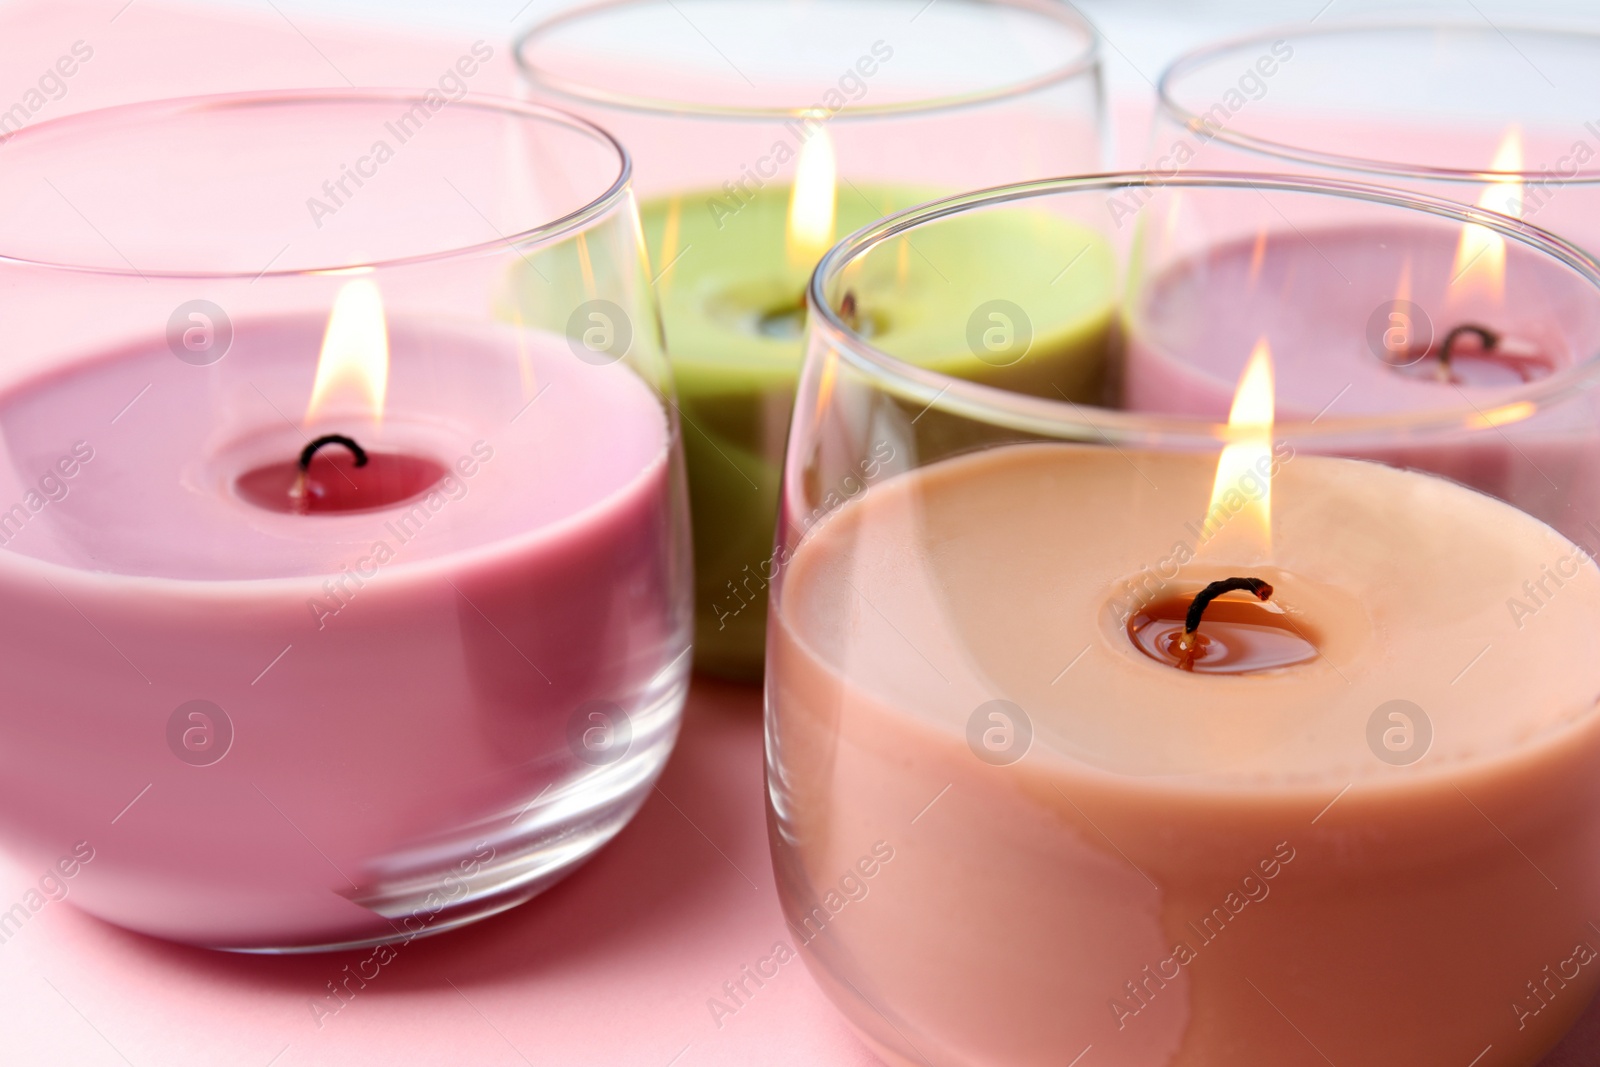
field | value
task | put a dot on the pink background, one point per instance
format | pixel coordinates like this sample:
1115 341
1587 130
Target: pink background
613 966
616 965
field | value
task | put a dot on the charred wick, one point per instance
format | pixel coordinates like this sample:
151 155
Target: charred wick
1203 599
314 447
1487 340
849 312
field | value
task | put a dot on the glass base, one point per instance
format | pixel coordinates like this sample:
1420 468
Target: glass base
455 920
424 891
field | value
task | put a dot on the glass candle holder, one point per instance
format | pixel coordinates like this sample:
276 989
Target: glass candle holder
1191 740
343 604
762 131
1487 115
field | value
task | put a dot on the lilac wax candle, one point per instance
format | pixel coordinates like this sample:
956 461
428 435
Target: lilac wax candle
1368 323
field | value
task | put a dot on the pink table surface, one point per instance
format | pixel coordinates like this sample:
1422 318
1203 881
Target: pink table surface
614 966
145 49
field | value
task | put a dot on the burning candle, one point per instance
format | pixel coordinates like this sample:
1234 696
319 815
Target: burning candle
909 102
366 616
731 282
733 312
1376 320
438 626
354 358
1229 793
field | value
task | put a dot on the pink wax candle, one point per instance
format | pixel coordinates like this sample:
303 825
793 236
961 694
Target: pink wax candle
291 726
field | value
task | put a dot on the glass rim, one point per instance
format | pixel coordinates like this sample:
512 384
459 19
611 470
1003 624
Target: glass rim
1086 60
543 233
1195 59
1048 417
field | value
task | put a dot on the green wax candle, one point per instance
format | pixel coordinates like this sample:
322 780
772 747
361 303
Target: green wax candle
726 290
730 292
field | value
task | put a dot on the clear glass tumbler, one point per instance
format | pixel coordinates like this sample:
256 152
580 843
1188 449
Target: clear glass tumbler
761 132
343 604
1497 116
1197 734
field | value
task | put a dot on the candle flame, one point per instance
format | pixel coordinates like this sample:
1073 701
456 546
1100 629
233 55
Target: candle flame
1241 496
1258 256
825 384
669 243
813 201
1402 287
353 368
1504 415
1480 265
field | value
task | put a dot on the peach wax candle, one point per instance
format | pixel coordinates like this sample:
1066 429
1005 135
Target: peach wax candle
1344 809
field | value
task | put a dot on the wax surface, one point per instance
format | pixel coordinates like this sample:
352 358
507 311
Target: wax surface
1024 898
1312 295
166 508
400 684
1319 297
736 385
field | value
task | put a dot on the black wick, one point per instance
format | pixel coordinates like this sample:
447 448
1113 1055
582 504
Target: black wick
1202 600
332 439
848 311
1487 340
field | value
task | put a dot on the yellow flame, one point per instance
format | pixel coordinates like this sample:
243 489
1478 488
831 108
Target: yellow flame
524 361
353 368
1258 256
1480 265
825 384
1240 470
1397 339
669 243
1504 416
813 201
586 267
